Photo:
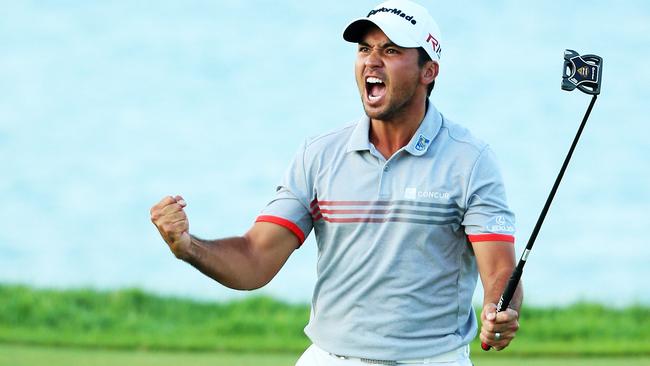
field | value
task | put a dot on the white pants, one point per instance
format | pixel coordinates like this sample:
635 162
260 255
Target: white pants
315 356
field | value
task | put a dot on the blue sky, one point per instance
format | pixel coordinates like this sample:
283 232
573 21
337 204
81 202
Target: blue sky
108 106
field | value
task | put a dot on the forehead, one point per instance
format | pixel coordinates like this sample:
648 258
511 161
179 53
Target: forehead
375 36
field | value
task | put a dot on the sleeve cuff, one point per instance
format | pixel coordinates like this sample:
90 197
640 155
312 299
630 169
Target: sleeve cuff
284 223
491 237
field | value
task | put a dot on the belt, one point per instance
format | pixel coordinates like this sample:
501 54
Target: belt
453 355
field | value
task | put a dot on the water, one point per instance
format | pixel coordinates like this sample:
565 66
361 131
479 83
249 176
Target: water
107 107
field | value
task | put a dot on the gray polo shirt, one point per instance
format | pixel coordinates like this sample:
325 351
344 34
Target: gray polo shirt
396 272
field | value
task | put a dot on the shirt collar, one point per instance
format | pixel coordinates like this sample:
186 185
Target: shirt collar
359 140
419 143
423 137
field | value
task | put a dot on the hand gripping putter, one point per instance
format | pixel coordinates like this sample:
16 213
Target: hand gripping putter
585 74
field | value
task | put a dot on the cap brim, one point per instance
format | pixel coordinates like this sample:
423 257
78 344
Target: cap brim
356 30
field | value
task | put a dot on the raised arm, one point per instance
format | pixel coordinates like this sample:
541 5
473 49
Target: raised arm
245 262
496 260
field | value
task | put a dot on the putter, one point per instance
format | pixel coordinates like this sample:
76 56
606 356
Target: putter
584 73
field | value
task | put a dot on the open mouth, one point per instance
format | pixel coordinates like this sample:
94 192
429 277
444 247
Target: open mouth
375 88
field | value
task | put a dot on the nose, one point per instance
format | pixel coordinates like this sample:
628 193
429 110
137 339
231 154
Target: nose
373 59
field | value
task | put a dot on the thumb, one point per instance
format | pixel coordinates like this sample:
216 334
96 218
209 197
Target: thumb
490 311
180 200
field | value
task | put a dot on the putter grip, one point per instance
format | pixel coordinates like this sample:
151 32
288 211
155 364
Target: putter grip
507 294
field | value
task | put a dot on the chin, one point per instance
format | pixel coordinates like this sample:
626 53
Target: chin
372 113
381 114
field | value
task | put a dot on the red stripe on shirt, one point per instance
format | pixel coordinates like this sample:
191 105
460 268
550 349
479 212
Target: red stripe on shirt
356 219
284 223
347 212
491 237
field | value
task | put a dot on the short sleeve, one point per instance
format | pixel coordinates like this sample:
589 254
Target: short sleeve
290 205
487 217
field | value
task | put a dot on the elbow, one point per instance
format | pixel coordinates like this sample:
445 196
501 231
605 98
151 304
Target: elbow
255 287
249 284
259 282
243 286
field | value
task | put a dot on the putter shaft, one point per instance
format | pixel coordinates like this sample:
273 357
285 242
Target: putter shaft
509 291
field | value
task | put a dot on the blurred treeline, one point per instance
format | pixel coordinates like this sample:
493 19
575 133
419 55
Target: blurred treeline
133 319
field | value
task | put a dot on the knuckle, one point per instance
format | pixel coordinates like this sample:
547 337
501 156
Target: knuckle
514 313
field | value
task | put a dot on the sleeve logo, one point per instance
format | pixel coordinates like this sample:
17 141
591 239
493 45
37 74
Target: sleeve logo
501 225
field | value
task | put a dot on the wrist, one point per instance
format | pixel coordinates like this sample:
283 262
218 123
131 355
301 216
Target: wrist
187 248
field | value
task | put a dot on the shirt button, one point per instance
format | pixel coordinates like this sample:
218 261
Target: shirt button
386 168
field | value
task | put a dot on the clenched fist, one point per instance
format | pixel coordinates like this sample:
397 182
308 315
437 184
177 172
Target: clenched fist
498 329
170 219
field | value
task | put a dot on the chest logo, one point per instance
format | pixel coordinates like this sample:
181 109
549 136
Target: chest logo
411 193
422 143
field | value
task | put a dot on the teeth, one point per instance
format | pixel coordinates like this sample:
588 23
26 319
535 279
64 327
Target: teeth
374 80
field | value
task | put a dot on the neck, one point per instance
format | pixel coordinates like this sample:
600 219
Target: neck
390 135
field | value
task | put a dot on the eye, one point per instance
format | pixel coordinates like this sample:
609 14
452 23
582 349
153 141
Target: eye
364 49
391 51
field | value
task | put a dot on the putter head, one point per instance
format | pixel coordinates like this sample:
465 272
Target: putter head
582 72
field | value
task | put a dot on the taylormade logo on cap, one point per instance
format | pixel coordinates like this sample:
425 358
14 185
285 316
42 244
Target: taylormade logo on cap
404 22
394 11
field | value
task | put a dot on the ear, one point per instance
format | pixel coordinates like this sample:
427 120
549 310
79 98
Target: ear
429 72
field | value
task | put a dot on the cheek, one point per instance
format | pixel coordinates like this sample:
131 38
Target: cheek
406 78
358 73
358 68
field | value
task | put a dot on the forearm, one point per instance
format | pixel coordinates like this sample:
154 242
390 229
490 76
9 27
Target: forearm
245 263
229 261
494 286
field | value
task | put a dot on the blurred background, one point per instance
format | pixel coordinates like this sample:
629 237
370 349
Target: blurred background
106 107
109 106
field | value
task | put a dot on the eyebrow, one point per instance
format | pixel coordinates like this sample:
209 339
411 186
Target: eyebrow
383 45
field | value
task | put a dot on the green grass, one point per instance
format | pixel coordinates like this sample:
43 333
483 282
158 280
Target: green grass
134 320
12 355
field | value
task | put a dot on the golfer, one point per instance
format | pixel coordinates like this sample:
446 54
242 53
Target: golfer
407 207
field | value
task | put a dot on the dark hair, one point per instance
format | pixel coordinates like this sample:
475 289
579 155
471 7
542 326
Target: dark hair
423 58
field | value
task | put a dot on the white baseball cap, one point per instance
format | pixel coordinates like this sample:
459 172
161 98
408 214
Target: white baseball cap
404 22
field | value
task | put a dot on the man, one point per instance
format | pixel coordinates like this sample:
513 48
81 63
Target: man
406 207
